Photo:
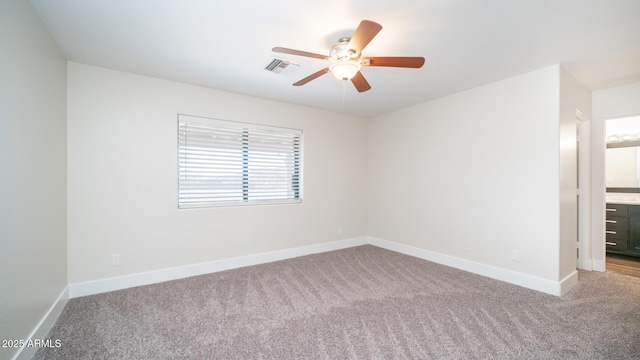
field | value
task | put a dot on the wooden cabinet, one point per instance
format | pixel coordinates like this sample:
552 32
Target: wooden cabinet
623 229
634 230
617 229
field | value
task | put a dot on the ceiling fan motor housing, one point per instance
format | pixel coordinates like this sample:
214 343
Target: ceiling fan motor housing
341 51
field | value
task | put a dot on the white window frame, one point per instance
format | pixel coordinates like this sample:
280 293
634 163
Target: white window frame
228 163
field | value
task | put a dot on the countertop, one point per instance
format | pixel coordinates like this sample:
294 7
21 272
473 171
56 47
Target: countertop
626 199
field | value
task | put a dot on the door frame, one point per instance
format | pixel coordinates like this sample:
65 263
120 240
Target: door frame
584 192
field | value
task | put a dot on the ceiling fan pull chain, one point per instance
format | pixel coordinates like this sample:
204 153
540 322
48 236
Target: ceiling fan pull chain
344 89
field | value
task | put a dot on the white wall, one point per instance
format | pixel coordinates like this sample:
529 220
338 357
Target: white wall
479 168
33 250
607 104
122 177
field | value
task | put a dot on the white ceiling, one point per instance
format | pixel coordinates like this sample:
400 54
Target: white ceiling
225 44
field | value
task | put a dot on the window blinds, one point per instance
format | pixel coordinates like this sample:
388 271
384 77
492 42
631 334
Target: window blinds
229 163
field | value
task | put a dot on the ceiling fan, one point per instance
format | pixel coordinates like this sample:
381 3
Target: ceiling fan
346 60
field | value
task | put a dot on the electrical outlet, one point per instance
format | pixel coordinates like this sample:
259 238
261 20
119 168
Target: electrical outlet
339 229
469 246
115 259
515 255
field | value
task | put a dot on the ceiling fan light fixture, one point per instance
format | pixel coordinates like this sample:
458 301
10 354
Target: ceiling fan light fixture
345 70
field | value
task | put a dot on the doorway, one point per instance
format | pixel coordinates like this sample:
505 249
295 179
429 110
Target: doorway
622 194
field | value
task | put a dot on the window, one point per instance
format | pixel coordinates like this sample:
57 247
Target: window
231 163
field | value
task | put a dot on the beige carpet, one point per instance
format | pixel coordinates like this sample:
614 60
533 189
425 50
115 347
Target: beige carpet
357 303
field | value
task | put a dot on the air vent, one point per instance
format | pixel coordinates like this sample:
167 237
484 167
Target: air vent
279 66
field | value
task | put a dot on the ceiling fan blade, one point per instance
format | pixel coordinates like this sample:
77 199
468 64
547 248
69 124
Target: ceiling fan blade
365 32
311 77
405 62
298 52
360 82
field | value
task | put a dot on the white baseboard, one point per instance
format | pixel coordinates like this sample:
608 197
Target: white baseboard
524 280
568 282
122 282
598 265
153 277
44 326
